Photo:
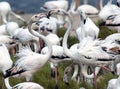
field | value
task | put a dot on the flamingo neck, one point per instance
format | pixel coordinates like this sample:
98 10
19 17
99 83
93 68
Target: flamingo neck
65 47
100 4
49 53
7 83
73 6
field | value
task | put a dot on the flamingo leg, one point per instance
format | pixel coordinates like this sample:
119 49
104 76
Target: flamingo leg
105 68
56 77
95 78
95 82
2 83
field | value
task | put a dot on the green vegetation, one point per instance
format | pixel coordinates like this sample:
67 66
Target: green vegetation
43 77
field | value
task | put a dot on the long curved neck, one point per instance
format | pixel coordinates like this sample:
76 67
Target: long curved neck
100 4
7 83
73 6
43 38
65 47
84 71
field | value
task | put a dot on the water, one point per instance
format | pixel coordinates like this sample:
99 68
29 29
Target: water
33 6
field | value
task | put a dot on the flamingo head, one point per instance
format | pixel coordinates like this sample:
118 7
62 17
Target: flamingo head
57 12
35 18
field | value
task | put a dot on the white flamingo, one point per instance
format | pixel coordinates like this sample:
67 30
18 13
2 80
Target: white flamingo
88 9
5 61
114 83
26 85
48 24
30 62
5 11
96 56
63 4
8 41
87 28
112 22
108 10
11 27
8 28
57 54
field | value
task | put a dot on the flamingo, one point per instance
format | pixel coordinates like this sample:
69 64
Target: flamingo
8 41
48 24
27 85
5 61
112 22
87 28
57 54
84 55
114 83
30 62
108 10
5 10
88 9
11 27
8 28
63 4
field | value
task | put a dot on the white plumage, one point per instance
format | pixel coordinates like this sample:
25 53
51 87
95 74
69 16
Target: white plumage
11 27
49 5
108 10
114 83
27 85
28 64
5 62
24 36
88 9
87 28
5 11
62 4
49 25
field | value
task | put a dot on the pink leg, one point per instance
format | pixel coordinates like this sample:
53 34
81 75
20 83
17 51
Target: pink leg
56 77
95 82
